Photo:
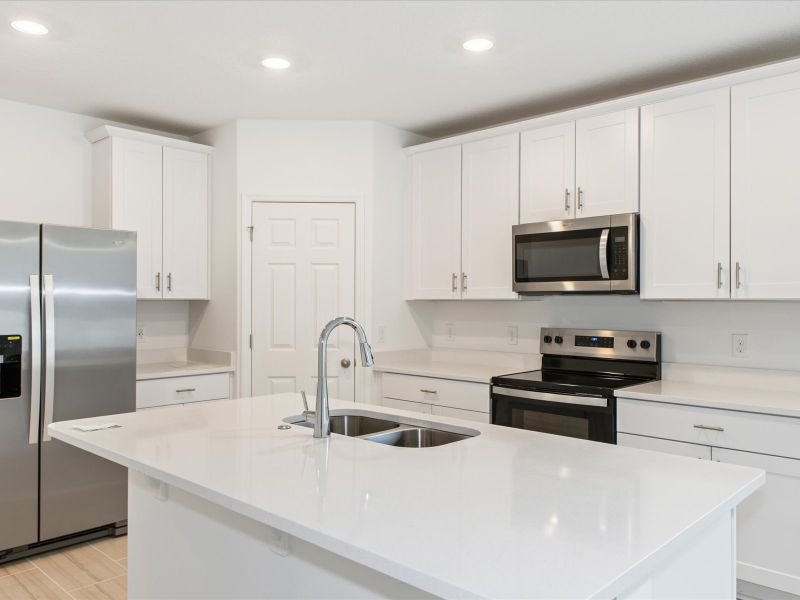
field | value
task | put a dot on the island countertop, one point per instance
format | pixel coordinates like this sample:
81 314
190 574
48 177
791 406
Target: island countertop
509 513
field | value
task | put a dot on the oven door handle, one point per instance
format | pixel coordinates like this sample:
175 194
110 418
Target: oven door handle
602 253
583 400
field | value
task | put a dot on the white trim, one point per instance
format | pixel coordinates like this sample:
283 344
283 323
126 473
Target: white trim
363 278
622 103
105 131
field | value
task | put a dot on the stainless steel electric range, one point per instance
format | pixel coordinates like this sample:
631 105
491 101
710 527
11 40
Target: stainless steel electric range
574 392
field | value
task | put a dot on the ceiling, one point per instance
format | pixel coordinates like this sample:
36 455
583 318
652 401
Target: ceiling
187 66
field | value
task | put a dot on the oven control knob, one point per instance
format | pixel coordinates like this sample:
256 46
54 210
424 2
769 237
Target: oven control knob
631 344
645 345
559 339
548 339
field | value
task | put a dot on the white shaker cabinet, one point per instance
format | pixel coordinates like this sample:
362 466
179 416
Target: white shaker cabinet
157 187
547 174
436 224
489 209
607 164
765 188
685 197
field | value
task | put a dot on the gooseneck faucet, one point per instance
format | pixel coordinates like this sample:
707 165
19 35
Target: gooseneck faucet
322 419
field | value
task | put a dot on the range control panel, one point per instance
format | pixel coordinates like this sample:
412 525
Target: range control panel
10 366
601 343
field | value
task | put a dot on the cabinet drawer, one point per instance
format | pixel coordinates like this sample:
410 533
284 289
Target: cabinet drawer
767 434
667 446
440 392
177 390
406 405
458 413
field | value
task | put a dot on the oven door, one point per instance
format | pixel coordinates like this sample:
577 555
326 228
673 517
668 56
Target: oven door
587 417
597 254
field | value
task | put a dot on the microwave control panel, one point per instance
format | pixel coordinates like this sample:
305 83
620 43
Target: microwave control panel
618 253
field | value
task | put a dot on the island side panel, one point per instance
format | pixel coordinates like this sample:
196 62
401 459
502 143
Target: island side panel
182 546
700 565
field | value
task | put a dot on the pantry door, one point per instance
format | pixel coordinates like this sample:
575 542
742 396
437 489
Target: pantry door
303 275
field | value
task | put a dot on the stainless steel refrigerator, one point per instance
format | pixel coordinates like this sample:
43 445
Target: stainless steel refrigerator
67 351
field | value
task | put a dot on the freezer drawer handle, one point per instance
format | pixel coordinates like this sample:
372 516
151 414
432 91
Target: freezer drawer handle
36 360
186 390
49 355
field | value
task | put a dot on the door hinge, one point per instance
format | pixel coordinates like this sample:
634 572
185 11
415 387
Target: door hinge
250 231
251 341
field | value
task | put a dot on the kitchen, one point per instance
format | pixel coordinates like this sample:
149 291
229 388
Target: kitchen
391 224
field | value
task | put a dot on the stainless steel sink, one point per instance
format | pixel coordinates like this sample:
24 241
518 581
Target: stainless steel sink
355 425
390 430
416 437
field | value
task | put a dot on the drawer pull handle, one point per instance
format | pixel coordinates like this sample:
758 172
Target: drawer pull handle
429 391
186 390
709 427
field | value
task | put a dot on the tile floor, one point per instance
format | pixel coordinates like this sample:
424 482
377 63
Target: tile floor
92 571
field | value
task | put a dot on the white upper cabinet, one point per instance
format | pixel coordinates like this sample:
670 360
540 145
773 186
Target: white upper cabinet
157 187
765 188
685 197
607 164
489 209
185 210
136 205
436 224
547 167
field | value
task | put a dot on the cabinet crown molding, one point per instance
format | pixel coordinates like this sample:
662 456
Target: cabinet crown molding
105 131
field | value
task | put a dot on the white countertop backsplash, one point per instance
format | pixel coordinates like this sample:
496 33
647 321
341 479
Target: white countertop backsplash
181 362
464 365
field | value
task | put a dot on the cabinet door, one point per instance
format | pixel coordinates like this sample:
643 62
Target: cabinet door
685 197
765 188
436 224
607 164
185 224
136 206
459 413
406 405
489 209
667 446
547 174
767 524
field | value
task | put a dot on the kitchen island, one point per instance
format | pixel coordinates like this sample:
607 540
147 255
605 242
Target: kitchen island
224 503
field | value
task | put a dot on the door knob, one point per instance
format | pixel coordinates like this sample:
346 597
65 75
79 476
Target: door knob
345 362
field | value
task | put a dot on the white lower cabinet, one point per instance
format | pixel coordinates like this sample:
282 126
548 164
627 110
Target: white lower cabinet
768 525
180 390
432 395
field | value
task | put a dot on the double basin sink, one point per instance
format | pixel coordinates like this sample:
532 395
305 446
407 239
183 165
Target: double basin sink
391 430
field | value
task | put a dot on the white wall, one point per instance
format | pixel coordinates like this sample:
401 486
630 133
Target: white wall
165 323
693 332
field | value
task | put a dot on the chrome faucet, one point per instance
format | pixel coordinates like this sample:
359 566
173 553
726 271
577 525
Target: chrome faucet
322 419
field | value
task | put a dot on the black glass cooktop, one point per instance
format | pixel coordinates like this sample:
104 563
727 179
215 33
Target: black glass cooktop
566 381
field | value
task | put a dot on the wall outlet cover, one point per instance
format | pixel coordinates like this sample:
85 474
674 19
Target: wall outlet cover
739 344
451 331
513 335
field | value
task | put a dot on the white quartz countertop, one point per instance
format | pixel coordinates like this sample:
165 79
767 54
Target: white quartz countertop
178 369
509 513
474 366
717 395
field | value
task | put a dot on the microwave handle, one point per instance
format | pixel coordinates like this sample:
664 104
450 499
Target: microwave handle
603 253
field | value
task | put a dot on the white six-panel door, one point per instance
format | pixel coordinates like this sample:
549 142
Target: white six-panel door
303 275
685 197
547 174
136 193
765 188
607 164
436 224
489 209
185 224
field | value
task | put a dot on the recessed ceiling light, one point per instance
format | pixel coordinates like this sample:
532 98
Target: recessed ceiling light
29 27
478 45
276 63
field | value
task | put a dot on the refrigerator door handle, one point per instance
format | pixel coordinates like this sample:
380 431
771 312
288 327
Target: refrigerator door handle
36 360
49 356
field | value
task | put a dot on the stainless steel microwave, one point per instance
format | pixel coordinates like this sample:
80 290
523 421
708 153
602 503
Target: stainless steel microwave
590 255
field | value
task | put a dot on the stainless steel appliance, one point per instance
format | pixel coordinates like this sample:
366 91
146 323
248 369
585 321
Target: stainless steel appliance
574 392
67 351
591 255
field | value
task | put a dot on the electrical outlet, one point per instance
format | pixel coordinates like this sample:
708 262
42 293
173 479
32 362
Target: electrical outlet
381 334
451 331
139 334
513 335
740 344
